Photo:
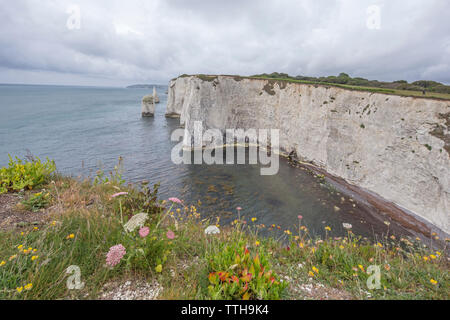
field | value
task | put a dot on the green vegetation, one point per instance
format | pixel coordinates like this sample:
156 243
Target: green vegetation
23 174
115 232
345 79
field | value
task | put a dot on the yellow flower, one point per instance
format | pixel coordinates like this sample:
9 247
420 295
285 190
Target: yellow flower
70 236
438 253
341 247
19 289
311 274
28 286
433 281
257 243
315 269
254 219
34 258
22 233
34 250
158 268
288 232
35 228
2 263
380 245
301 245
425 258
53 223
432 256
327 228
20 247
361 267
178 210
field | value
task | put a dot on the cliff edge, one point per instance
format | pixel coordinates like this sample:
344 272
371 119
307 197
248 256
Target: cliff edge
393 147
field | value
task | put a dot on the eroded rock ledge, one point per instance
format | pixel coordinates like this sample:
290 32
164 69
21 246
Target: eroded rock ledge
394 147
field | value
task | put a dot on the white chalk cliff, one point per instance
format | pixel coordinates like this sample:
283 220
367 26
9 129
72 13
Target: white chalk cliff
392 146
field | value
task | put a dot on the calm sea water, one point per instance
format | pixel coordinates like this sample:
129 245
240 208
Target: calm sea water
85 128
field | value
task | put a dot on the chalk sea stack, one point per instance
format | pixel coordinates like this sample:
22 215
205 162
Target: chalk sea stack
148 106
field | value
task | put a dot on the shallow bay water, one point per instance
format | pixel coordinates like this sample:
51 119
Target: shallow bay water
87 128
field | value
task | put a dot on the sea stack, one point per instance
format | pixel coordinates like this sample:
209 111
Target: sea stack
155 96
148 106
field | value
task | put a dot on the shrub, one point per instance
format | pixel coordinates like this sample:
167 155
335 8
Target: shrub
237 273
23 174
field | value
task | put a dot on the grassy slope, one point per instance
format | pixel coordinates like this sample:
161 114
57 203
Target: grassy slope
335 268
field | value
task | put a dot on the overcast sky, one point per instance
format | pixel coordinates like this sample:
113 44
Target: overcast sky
117 42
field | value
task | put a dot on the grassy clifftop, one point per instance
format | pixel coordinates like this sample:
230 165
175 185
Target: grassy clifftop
103 239
399 88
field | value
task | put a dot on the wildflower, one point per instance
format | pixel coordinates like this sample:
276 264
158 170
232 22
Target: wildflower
288 232
257 243
175 200
212 230
311 274
434 282
35 228
20 247
393 237
341 247
53 223
361 267
327 228
178 210
115 254
19 289
170 235
144 231
300 217
158 268
28 286
379 245
34 258
238 208
2 263
432 256
254 219
347 225
315 269
34 250
12 257
387 223
136 221
118 194
438 253
425 258
22 233
70 236
301 245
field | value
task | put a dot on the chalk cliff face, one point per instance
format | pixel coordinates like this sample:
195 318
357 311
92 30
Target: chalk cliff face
395 147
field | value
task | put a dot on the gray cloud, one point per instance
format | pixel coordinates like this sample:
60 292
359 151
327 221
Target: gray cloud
129 42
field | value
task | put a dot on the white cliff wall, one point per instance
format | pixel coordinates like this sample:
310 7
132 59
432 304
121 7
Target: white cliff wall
396 147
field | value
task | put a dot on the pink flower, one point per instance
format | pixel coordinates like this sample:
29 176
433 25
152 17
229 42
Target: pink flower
176 200
238 208
144 231
300 217
115 254
170 235
119 194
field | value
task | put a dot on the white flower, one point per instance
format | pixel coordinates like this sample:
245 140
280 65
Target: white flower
212 230
347 225
136 221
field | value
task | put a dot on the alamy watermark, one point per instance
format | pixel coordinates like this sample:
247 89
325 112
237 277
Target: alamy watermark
208 146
